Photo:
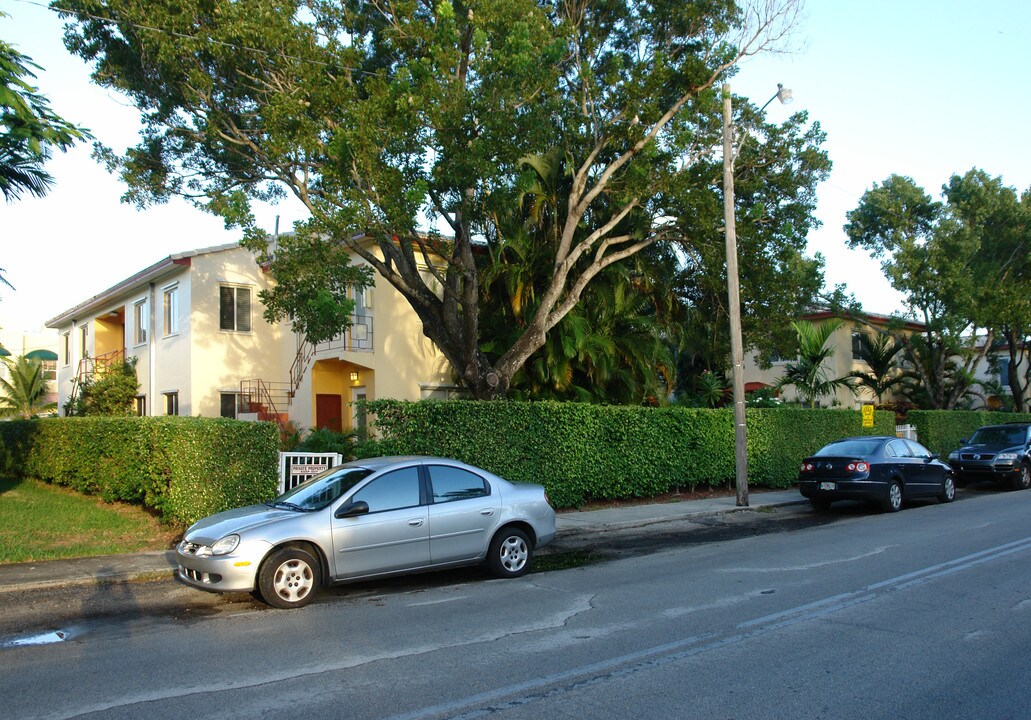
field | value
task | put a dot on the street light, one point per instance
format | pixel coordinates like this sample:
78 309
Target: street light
737 353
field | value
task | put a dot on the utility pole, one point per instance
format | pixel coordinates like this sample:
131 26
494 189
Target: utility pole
737 355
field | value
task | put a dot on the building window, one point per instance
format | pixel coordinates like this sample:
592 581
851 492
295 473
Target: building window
139 317
1004 372
66 348
139 404
234 309
171 310
857 346
171 403
228 402
83 336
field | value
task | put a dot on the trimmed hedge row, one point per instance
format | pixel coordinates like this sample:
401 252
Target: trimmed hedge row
183 467
940 431
583 452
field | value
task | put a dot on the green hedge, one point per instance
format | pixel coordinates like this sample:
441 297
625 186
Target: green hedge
940 431
184 468
582 452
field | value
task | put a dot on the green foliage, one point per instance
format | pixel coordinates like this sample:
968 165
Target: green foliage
941 431
582 452
879 351
379 121
29 129
184 468
110 392
807 374
323 440
22 392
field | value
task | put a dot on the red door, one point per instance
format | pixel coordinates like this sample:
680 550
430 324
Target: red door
327 412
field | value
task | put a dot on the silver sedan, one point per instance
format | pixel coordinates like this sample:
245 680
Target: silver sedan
366 519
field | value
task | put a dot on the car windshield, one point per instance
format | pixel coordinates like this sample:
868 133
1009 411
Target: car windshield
1001 436
850 448
321 490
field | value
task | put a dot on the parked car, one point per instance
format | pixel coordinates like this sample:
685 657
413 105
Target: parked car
366 519
884 470
996 452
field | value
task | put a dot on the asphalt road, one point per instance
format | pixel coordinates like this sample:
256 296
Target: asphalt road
921 614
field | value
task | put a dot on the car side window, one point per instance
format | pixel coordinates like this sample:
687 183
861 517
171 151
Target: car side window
897 449
451 483
916 450
392 491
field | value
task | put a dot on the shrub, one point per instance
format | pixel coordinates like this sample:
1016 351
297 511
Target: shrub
581 452
185 468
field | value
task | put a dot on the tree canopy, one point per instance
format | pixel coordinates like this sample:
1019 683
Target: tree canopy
964 265
402 126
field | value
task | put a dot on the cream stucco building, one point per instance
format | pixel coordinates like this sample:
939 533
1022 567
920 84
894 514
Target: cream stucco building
193 322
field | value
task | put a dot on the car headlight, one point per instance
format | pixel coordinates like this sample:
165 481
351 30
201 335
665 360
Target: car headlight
1010 457
226 545
954 455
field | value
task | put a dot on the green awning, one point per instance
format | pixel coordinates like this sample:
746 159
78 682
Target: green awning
41 355
4 352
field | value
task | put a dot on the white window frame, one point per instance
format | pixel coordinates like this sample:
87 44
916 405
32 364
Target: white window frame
236 308
139 322
170 309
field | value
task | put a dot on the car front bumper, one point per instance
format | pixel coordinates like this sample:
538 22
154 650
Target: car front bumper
235 572
973 470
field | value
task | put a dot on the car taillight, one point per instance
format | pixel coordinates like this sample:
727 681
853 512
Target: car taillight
807 467
858 467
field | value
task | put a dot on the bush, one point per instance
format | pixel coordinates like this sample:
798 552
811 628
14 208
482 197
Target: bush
583 452
184 468
940 431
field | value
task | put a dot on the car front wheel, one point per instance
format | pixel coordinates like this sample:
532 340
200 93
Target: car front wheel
1023 479
510 553
948 493
893 500
289 578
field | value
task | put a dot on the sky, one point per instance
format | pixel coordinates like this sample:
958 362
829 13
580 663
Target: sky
923 88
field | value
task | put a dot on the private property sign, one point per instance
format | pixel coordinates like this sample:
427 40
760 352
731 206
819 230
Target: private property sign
296 467
867 416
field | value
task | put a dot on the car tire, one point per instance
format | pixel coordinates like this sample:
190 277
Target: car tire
510 553
1023 480
820 505
893 498
948 493
289 578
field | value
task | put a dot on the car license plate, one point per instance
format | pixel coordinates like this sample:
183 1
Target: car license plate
826 486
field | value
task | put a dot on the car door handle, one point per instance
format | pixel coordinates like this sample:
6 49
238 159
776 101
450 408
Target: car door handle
487 511
415 522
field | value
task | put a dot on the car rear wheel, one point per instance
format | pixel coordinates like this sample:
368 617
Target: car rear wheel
948 493
1023 479
510 553
289 578
893 499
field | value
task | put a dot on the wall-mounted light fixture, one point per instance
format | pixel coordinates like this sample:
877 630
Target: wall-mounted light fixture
354 377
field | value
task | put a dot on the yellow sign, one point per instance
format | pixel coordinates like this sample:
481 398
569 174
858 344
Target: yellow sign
867 416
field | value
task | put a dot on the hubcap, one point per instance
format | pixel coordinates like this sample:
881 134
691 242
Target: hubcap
513 554
1025 477
950 488
294 580
895 496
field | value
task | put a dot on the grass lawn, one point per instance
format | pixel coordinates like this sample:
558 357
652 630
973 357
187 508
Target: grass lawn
44 522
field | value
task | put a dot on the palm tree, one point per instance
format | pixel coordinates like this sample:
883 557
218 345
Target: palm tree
22 393
879 352
808 375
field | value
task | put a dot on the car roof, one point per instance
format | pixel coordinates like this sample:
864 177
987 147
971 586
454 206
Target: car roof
377 463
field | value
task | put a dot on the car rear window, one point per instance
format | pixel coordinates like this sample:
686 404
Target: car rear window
859 448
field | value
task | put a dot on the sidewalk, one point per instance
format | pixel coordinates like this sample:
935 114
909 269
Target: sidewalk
155 565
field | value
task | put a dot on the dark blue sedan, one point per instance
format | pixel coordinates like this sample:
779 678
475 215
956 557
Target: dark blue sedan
883 470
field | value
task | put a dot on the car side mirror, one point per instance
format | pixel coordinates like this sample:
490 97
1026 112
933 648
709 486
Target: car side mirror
351 509
962 441
934 456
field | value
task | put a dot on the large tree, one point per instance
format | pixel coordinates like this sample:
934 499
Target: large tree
964 265
386 117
